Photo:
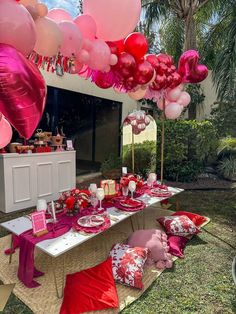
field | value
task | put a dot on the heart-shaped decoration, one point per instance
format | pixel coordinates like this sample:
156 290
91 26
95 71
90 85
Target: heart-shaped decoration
190 69
22 91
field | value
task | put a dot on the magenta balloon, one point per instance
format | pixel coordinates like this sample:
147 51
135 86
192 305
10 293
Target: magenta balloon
100 54
49 37
173 94
17 27
59 15
115 19
184 99
22 91
5 132
72 39
86 25
190 69
173 110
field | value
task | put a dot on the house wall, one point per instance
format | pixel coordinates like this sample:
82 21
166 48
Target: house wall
80 85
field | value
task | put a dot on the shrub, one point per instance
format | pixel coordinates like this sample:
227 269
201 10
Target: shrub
145 157
111 167
189 146
227 147
227 168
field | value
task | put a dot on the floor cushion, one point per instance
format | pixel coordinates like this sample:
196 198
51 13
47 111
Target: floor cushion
90 290
198 220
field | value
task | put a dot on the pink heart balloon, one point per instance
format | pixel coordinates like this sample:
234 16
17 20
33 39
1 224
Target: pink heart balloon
22 91
189 68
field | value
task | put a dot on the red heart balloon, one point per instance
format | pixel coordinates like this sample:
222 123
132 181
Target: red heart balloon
190 69
22 91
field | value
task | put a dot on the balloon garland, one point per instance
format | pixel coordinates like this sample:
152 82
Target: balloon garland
99 45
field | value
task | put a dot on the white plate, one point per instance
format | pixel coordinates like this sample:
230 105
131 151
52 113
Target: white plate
122 203
91 221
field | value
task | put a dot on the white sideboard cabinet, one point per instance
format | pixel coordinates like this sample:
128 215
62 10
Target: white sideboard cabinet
25 178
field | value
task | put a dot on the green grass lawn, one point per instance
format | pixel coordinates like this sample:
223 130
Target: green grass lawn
200 283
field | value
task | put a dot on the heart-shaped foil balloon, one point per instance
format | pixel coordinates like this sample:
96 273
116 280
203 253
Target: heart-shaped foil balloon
22 91
190 69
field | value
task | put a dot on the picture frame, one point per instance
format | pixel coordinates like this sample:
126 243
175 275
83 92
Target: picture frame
39 223
69 145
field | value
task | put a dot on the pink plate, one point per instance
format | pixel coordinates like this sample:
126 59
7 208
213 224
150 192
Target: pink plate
91 221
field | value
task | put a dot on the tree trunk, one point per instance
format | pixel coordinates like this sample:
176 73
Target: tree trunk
190 40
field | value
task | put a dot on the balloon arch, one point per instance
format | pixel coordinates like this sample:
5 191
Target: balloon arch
99 45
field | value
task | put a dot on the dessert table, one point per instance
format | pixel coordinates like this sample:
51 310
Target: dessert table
62 244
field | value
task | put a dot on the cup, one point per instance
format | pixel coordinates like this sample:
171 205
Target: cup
132 187
93 188
41 205
152 177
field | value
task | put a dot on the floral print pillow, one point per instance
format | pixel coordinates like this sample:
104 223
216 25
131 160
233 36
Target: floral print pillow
128 263
178 225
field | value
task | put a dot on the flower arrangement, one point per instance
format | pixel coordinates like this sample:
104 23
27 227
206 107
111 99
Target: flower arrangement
124 181
73 200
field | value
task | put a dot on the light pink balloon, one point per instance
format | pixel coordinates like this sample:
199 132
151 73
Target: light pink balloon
5 132
17 27
42 9
115 19
137 95
49 37
99 55
184 99
160 103
72 39
32 11
113 59
59 15
83 56
86 25
173 94
173 111
28 2
87 44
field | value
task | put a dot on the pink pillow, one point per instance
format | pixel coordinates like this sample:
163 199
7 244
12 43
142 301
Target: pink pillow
156 241
178 225
127 264
90 290
177 245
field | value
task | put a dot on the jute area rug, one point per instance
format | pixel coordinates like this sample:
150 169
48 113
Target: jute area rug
43 300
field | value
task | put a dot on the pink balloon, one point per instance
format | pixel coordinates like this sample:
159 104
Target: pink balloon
22 91
113 59
49 37
17 27
160 103
137 95
76 67
87 44
115 19
28 2
5 132
86 25
72 39
99 55
83 56
173 94
42 9
184 99
173 110
59 15
32 11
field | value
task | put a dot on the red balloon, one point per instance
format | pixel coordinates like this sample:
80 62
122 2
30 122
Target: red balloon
136 44
169 81
162 69
159 83
22 91
176 80
103 80
152 59
120 45
113 47
166 59
130 83
173 68
144 72
126 64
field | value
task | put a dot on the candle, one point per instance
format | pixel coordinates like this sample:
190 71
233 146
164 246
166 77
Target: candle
53 212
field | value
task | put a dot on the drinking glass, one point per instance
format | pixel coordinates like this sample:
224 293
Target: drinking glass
41 205
132 187
152 177
93 191
94 201
100 196
93 188
125 190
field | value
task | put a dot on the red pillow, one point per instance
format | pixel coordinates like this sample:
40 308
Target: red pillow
178 225
177 245
198 220
90 290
